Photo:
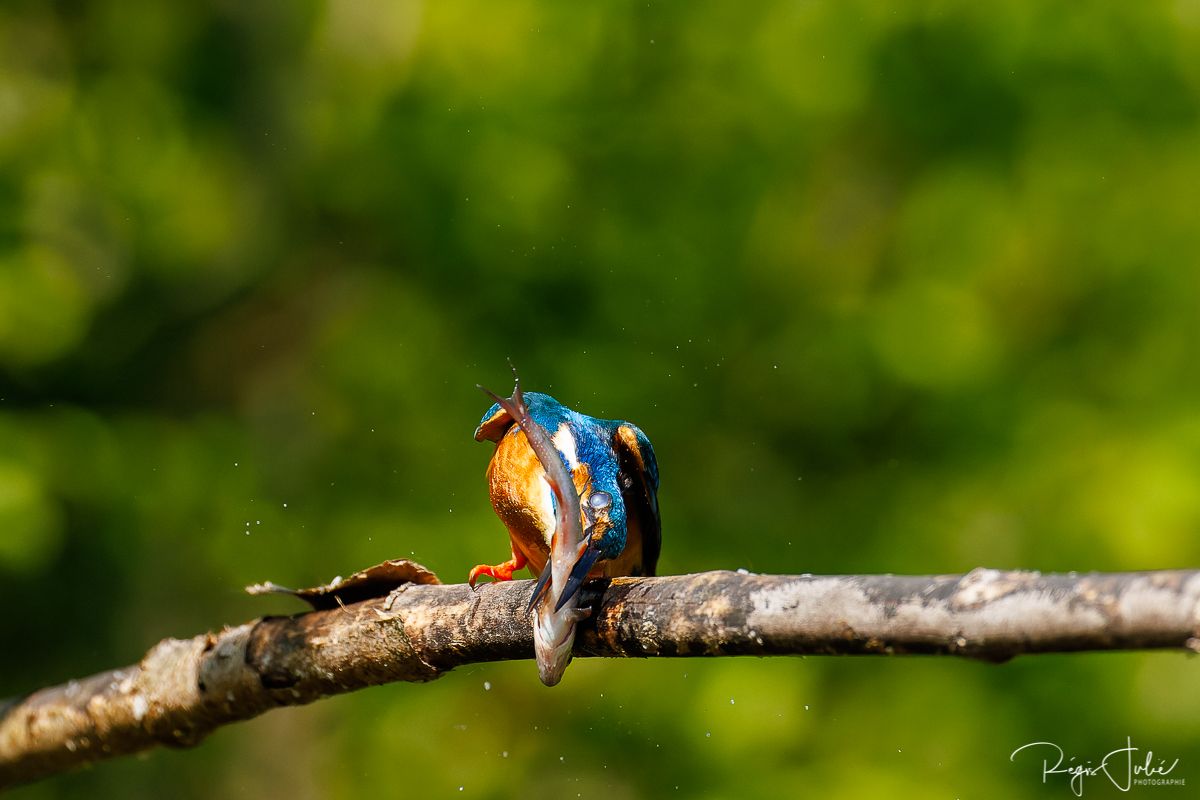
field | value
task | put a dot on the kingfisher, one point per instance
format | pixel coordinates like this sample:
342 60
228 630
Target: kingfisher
612 465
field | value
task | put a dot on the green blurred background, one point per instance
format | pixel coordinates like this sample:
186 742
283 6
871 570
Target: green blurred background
892 288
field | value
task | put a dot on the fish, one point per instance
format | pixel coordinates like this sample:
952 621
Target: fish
555 613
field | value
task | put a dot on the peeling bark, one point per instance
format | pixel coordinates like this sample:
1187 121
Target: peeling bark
184 689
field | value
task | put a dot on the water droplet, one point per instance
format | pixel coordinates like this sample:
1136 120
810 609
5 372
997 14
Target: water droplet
806 707
487 686
708 734
504 754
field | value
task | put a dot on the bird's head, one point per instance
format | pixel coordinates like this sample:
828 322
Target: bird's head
604 514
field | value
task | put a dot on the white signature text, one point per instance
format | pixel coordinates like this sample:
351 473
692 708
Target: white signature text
1124 767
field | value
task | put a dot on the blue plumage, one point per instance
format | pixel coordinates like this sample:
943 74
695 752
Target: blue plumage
616 474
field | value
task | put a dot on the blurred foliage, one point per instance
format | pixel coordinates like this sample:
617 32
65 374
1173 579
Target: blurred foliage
891 288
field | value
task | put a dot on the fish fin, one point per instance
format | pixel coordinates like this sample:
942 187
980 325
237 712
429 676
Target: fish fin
539 589
579 574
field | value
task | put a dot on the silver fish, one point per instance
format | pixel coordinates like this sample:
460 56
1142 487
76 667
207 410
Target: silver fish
553 630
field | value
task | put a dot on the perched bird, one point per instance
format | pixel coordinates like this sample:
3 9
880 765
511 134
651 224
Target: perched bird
615 474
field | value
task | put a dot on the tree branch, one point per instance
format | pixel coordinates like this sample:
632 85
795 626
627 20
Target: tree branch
184 689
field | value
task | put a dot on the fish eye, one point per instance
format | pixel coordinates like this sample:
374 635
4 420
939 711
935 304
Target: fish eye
600 500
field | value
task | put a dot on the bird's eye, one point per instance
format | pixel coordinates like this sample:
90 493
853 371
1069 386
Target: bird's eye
600 500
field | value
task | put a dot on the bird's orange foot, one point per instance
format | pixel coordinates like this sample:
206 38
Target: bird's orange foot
497 572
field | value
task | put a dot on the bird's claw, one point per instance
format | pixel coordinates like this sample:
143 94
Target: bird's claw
497 572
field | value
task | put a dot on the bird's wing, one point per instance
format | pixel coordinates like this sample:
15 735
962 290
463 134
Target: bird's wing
494 425
639 487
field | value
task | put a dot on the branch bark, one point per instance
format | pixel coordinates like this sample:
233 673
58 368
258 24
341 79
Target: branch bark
184 689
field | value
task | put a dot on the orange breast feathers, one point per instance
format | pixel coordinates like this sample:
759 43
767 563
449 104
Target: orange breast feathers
522 497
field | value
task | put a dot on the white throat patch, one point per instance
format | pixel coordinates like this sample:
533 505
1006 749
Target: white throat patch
565 442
